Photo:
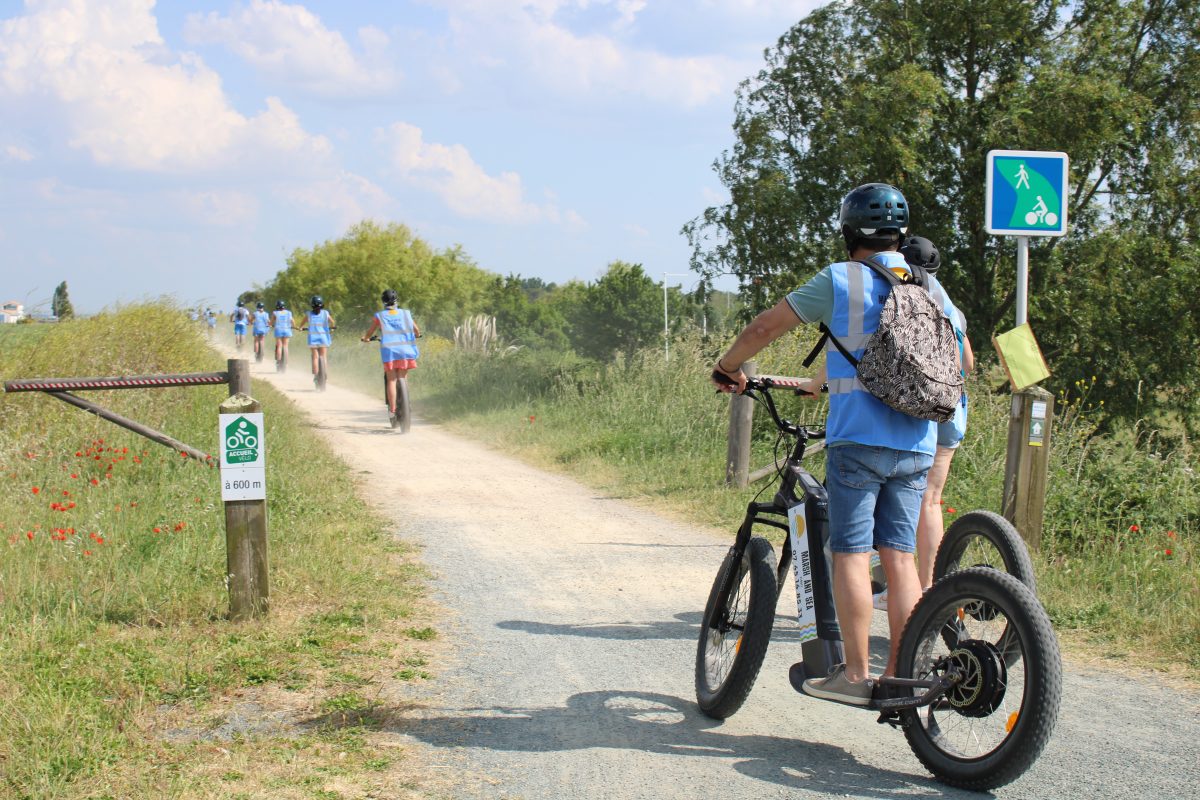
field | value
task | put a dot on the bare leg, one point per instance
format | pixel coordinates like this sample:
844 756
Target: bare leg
904 589
930 526
316 358
852 598
392 375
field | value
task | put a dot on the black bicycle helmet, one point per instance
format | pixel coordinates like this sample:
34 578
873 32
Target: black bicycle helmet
873 210
920 252
240 304
259 305
317 302
280 305
388 297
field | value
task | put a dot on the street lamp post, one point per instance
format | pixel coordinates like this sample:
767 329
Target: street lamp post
666 319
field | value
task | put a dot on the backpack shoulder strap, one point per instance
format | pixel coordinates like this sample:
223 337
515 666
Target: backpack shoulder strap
827 335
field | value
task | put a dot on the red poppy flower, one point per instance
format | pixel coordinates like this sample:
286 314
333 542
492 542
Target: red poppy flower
1134 529
29 535
94 482
74 475
1168 551
1170 534
182 454
36 490
87 552
158 530
66 493
180 526
950 510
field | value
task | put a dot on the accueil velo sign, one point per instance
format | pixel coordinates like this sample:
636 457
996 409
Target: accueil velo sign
243 457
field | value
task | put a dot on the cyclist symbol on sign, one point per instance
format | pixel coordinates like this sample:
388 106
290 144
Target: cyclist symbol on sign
241 442
1040 215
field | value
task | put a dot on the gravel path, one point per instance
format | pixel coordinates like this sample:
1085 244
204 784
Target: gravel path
571 621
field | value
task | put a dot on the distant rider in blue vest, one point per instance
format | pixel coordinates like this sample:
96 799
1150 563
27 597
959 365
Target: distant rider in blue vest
319 324
240 317
262 323
876 458
281 321
398 344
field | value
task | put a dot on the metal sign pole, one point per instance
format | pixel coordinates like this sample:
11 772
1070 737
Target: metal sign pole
1022 280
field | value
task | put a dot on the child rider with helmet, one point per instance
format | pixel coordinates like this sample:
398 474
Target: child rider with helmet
262 321
319 325
281 322
398 346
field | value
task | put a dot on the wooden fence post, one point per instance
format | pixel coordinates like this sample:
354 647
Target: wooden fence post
1027 465
741 415
246 567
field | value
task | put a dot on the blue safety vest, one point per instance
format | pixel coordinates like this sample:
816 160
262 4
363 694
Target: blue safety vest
855 415
318 329
262 321
283 323
397 335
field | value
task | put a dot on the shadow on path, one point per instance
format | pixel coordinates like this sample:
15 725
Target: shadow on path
656 723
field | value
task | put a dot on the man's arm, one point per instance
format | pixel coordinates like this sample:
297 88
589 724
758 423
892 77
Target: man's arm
762 330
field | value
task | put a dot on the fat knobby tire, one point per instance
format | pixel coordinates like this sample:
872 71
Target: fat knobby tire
757 565
1043 678
403 409
999 532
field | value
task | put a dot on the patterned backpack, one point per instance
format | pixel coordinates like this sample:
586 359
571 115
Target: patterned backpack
911 361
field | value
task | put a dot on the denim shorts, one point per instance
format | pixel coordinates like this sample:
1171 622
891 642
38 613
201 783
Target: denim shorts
874 497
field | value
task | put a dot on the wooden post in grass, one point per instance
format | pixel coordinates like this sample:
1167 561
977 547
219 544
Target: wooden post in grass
741 414
1027 466
243 490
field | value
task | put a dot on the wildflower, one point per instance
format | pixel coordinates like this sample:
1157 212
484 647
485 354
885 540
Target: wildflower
29 535
182 454
1168 552
180 526
133 505
71 504
1134 529
74 475
79 453
950 510
66 493
36 490
1170 534
94 482
87 552
531 419
158 530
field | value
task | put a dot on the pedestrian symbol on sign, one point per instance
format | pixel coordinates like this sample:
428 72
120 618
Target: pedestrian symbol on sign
241 441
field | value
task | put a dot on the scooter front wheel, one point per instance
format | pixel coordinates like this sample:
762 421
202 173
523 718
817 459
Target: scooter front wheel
736 628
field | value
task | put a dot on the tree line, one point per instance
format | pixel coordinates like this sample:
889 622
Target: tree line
915 93
614 316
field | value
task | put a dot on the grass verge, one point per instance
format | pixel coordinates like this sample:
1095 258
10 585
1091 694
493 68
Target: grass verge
124 678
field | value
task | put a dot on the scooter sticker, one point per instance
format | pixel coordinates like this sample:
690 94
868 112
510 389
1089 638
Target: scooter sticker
806 607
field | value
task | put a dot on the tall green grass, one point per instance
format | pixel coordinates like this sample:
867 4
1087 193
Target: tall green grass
112 594
1117 568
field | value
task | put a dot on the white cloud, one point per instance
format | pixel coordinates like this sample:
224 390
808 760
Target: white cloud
291 44
129 102
224 208
347 197
13 152
530 37
464 186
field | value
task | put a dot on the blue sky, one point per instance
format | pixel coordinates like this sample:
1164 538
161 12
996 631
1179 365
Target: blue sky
184 148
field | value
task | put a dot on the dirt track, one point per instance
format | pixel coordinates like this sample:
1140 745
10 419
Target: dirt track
571 619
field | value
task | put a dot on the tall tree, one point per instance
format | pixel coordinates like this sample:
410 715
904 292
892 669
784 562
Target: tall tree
60 302
619 314
915 92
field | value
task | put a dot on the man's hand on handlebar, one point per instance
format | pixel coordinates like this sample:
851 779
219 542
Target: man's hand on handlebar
727 381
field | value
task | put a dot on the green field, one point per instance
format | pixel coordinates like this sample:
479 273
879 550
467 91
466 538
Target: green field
1117 569
120 667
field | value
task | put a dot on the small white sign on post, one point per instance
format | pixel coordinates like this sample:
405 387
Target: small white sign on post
243 457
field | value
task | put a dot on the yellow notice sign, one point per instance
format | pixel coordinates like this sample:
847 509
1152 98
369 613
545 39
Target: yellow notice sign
1021 357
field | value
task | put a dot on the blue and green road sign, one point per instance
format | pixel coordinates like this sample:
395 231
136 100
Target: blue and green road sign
1026 193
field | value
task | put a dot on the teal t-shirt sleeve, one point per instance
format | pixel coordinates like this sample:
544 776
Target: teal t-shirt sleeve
813 302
